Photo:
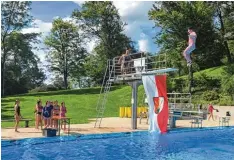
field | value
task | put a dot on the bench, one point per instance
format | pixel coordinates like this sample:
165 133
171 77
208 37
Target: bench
13 120
224 121
196 120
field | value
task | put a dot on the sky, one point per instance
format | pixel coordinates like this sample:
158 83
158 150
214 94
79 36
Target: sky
135 13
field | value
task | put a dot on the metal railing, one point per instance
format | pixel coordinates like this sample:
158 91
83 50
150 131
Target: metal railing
138 63
181 101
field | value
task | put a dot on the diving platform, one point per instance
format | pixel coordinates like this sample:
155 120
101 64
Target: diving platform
130 71
136 66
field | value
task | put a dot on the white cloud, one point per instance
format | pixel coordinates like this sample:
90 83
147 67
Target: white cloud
143 45
135 14
38 26
79 2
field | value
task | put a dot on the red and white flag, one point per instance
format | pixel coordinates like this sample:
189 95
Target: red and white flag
156 91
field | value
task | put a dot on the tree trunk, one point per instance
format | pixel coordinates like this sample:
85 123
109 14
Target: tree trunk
190 79
65 79
3 78
223 33
65 70
3 71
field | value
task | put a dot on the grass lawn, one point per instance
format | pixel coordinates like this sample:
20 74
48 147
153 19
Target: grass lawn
81 104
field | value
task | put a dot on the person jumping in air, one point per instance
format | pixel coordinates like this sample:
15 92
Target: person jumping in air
191 46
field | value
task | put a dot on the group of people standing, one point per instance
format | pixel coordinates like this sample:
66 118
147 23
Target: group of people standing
48 113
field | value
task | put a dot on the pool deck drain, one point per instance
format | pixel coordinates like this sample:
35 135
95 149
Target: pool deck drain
109 125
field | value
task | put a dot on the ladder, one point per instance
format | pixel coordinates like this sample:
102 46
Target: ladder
101 105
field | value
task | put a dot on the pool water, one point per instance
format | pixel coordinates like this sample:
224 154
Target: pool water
213 144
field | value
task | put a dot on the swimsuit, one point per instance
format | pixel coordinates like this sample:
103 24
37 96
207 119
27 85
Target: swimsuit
56 110
40 108
192 46
211 109
63 111
46 112
18 110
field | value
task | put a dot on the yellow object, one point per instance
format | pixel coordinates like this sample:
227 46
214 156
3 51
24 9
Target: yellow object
143 109
125 111
138 111
129 109
121 112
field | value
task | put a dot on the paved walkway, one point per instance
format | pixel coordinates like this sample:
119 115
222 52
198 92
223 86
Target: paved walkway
112 124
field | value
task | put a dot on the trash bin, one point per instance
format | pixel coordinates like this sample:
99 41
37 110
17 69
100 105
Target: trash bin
121 112
126 112
49 132
129 112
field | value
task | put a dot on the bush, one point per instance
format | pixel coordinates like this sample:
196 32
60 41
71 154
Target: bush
226 100
43 88
210 96
51 87
202 81
178 85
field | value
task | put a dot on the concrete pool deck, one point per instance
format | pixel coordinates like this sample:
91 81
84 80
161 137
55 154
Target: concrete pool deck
109 125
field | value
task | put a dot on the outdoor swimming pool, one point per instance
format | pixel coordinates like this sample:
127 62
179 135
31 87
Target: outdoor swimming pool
213 144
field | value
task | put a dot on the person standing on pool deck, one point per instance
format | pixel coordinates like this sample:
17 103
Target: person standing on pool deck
63 111
211 109
47 113
39 114
17 114
56 112
191 46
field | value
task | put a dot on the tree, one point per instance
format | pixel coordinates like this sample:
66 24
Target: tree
224 13
66 51
19 62
58 82
15 16
174 18
101 20
21 66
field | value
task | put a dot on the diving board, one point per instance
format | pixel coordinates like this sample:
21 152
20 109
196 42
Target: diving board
138 75
159 71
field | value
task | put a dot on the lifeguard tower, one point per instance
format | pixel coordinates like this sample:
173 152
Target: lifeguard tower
141 64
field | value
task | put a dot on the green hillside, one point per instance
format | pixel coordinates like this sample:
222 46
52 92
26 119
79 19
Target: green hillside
215 72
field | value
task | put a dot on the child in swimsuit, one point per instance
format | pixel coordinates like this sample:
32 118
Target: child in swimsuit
63 111
39 114
191 46
47 114
56 112
17 114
